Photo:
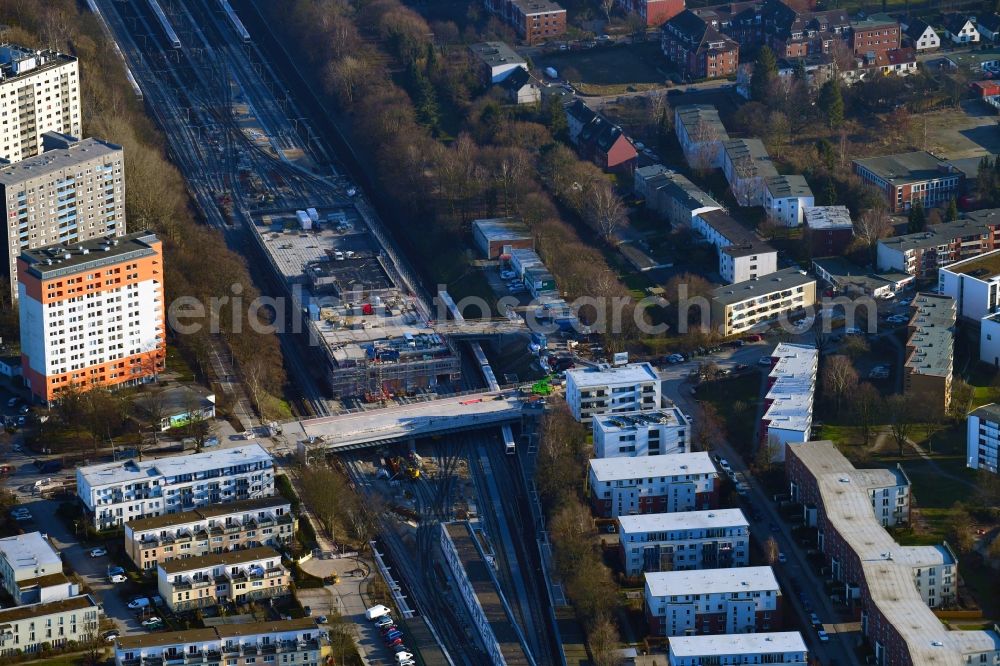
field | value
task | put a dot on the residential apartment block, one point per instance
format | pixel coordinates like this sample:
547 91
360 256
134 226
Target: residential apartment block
299 642
671 194
788 403
28 628
927 370
829 230
757 303
92 314
72 192
847 278
743 600
119 492
31 570
974 284
697 49
895 585
791 33
747 167
214 528
787 198
877 33
909 177
239 576
717 539
922 253
742 255
701 134
649 433
653 12
612 390
785 647
652 484
983 438
39 93
534 21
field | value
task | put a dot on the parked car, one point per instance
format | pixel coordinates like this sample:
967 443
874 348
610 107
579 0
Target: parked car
782 558
118 578
823 636
853 330
403 656
675 358
814 620
508 275
98 552
111 636
384 621
137 603
764 360
151 621
13 402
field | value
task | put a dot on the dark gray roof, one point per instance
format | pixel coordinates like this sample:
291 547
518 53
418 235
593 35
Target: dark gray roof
916 28
784 279
61 259
906 167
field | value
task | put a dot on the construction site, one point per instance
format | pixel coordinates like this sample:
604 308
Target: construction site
373 338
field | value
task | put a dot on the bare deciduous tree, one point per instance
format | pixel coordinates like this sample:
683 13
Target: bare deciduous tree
901 413
871 226
605 210
839 379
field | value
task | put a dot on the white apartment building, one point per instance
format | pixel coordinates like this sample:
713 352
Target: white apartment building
974 284
39 93
788 404
747 167
983 438
989 340
92 314
785 647
31 570
239 576
651 433
760 302
701 134
786 199
607 390
652 484
116 493
716 539
28 628
299 642
671 194
742 256
215 528
744 600
72 192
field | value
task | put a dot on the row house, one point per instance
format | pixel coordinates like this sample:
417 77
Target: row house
609 389
116 493
930 353
238 577
296 642
682 541
697 49
652 484
534 21
742 600
214 529
790 33
599 139
788 403
891 587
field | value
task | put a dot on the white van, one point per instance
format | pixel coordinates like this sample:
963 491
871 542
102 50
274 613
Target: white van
375 612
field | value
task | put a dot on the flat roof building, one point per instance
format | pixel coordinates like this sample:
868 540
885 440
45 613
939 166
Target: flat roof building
214 528
922 253
897 585
742 600
786 198
973 284
756 304
496 60
468 564
742 255
906 178
72 192
715 539
652 484
649 433
612 389
39 93
239 576
788 403
116 493
31 570
983 438
61 288
829 229
498 236
785 647
848 278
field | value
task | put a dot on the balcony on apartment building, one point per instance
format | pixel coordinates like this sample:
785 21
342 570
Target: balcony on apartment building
276 647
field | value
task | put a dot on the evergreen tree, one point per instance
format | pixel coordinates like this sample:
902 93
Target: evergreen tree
764 72
952 213
829 193
832 102
917 219
554 117
799 70
826 153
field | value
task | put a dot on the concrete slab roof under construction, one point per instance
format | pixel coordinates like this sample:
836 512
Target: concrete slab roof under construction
375 338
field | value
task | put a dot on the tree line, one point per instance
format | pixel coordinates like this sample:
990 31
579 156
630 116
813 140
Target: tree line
155 193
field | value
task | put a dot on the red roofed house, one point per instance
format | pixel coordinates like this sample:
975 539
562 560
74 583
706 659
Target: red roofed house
654 12
598 139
